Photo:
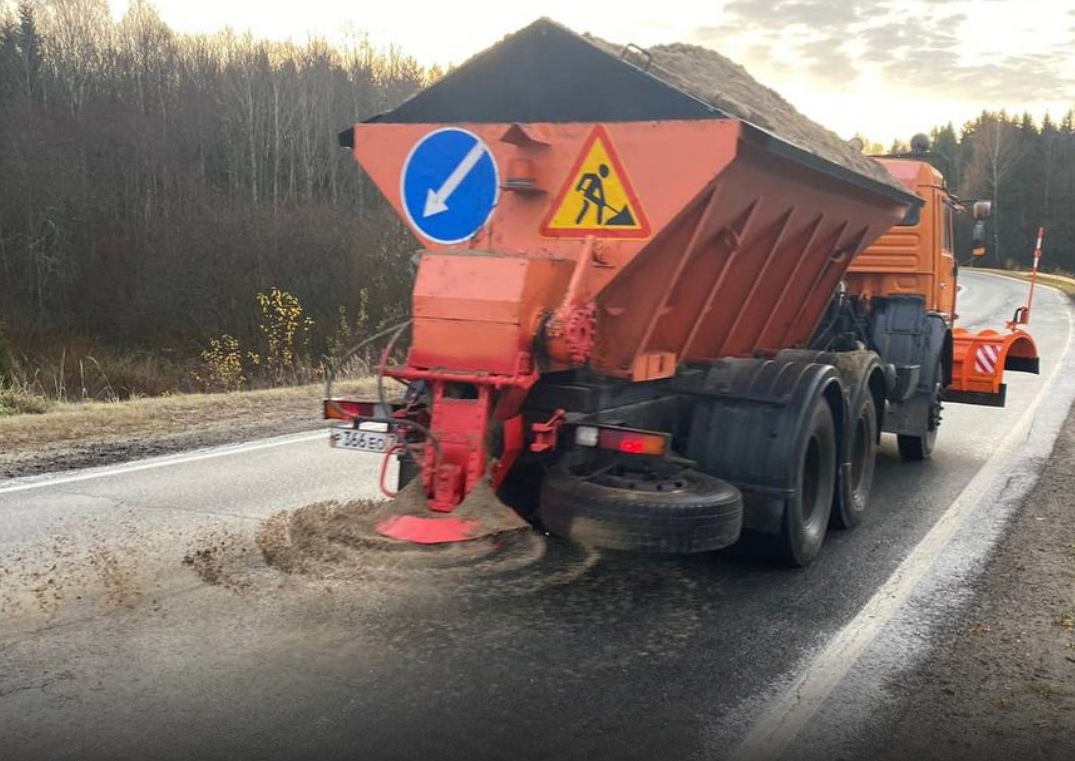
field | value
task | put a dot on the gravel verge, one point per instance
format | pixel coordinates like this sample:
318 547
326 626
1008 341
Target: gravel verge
1002 684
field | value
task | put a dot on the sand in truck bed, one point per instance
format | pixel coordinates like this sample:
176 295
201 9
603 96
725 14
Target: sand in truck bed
726 85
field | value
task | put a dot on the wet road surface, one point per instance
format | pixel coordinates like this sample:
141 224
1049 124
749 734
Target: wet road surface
112 647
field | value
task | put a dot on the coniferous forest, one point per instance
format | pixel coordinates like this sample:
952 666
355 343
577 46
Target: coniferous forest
161 192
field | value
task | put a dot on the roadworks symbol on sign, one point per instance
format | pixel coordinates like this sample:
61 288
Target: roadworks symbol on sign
596 197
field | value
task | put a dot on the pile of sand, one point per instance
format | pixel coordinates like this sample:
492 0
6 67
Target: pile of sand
339 539
724 84
337 543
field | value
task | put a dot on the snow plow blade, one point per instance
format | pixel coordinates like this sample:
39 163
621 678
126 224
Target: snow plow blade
979 361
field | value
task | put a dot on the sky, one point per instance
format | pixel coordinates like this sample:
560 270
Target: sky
884 69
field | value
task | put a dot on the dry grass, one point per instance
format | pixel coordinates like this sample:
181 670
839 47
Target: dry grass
1061 282
69 423
78 370
14 401
1064 283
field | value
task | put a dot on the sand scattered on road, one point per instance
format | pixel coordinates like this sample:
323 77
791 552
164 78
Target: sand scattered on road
338 541
333 540
223 558
86 566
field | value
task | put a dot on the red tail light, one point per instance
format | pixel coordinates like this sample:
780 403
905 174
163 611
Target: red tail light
346 409
633 442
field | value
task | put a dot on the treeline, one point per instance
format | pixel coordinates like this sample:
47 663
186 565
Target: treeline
1028 171
152 183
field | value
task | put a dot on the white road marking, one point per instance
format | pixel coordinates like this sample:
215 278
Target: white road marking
789 714
40 482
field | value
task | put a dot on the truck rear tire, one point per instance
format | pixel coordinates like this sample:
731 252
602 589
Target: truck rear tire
684 512
853 492
806 515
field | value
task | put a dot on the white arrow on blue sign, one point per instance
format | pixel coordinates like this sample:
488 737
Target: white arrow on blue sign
449 185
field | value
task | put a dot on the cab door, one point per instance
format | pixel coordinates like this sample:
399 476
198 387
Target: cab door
945 297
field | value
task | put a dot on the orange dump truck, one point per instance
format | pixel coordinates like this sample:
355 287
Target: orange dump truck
642 323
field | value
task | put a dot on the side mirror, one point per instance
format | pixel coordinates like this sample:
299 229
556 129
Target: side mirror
983 209
978 235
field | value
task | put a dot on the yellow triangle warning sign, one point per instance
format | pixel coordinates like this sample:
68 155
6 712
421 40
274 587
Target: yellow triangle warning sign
596 197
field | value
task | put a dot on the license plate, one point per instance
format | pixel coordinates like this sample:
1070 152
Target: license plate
362 441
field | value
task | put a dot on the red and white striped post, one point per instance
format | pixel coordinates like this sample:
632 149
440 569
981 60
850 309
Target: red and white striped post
1022 314
1034 271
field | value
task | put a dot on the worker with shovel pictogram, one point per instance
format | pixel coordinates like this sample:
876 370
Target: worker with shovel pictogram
592 187
596 197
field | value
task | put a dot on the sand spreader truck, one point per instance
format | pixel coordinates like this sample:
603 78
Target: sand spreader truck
644 323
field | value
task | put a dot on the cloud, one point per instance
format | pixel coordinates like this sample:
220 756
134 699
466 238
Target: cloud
915 45
942 48
811 13
827 62
1018 78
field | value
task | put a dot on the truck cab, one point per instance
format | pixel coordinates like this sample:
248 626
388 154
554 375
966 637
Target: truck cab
912 270
917 256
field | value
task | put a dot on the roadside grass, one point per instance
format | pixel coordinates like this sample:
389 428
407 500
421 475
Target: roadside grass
67 423
78 369
1062 282
15 401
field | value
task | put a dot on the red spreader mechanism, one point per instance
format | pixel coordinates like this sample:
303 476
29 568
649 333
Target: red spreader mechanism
416 518
480 515
410 528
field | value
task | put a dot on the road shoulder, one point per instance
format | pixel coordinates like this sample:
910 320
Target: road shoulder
1002 683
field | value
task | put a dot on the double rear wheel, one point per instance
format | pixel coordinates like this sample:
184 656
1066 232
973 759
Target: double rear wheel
828 493
806 513
856 477
688 511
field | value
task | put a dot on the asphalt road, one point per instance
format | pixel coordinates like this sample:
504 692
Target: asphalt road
112 648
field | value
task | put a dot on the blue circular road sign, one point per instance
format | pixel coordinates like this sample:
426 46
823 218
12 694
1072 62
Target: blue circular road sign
449 185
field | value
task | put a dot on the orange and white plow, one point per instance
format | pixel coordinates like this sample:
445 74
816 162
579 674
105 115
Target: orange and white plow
979 361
